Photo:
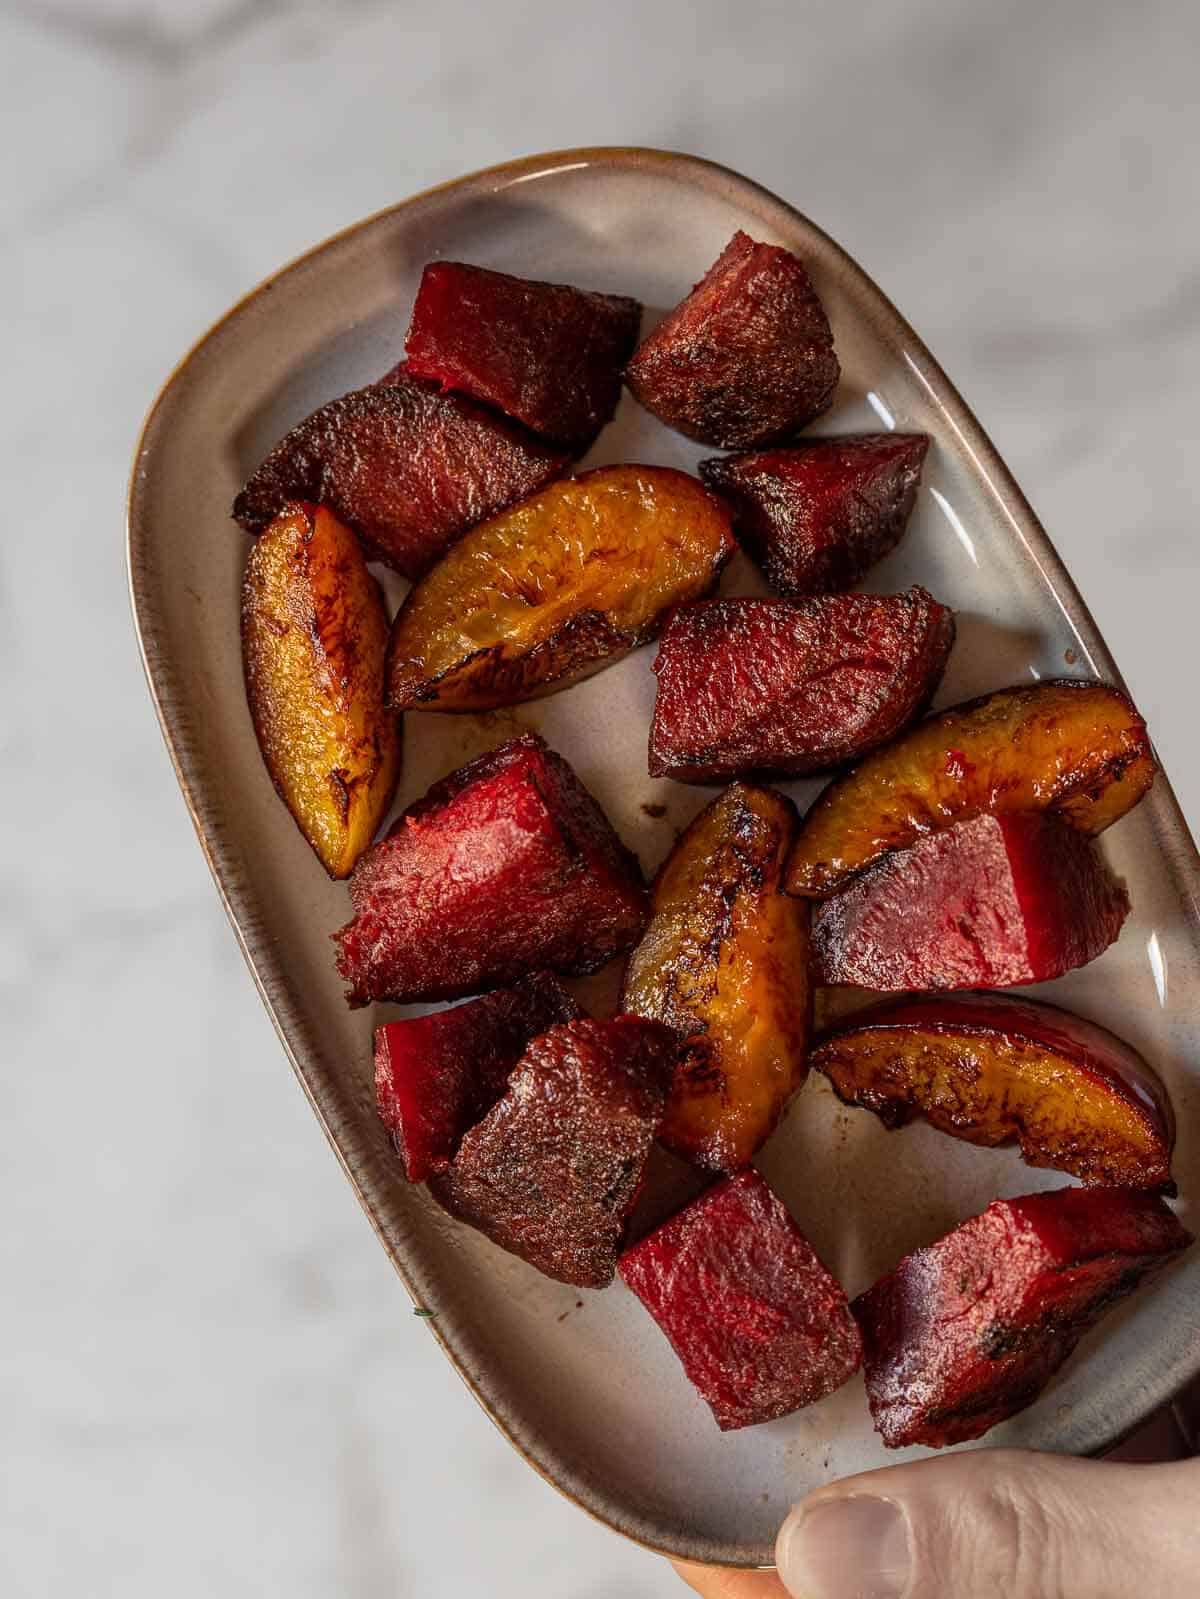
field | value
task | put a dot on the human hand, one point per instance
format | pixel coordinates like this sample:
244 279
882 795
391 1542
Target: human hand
994 1523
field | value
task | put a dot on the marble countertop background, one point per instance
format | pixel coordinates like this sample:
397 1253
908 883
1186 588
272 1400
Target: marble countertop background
210 1382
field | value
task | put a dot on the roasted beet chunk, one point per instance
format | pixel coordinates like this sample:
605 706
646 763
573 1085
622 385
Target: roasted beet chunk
407 468
552 1171
990 903
967 1332
505 867
746 359
436 1076
750 686
760 1325
545 353
817 516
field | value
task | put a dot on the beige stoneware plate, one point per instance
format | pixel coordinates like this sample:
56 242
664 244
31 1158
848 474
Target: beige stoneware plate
583 1384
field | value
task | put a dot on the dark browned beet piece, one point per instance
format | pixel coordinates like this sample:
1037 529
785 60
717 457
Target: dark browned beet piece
815 517
762 1328
406 467
747 686
969 1331
546 353
505 867
437 1075
747 358
990 903
552 1172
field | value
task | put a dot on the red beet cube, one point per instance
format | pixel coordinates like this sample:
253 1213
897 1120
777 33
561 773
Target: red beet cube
817 516
989 903
552 1172
760 1325
967 1332
506 867
437 1075
546 353
747 358
407 468
772 686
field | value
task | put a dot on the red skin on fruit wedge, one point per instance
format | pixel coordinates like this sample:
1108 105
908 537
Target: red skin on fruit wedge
967 1332
506 867
747 358
815 517
761 1326
546 353
994 1068
553 1170
990 903
437 1075
772 686
406 467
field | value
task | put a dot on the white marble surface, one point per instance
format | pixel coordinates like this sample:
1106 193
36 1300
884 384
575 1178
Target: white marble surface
210 1382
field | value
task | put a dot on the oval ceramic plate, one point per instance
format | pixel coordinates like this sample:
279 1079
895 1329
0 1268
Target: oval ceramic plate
584 1385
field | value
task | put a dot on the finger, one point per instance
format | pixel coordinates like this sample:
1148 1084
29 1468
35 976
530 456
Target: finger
715 1582
988 1522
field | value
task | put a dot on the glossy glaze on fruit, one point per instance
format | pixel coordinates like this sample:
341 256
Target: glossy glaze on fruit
548 354
1075 748
314 632
505 867
750 686
408 468
818 515
990 903
549 592
724 963
761 1326
747 358
967 1332
993 1069
551 1173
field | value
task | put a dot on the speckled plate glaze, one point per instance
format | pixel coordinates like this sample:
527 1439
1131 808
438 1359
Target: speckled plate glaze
584 1385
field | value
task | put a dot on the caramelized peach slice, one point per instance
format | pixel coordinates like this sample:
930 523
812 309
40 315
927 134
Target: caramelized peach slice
314 633
554 589
1078 749
990 1070
724 963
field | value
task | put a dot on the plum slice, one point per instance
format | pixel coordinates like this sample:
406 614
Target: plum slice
747 358
407 468
816 516
724 964
505 867
992 902
761 1326
965 1333
1076 748
557 587
437 1075
546 353
314 642
552 1172
991 1068
775 686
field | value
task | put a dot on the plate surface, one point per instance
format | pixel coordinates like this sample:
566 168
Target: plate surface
583 1384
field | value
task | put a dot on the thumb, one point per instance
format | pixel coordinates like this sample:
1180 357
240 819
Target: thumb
992 1523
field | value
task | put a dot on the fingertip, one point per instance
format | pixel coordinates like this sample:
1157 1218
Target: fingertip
831 1547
